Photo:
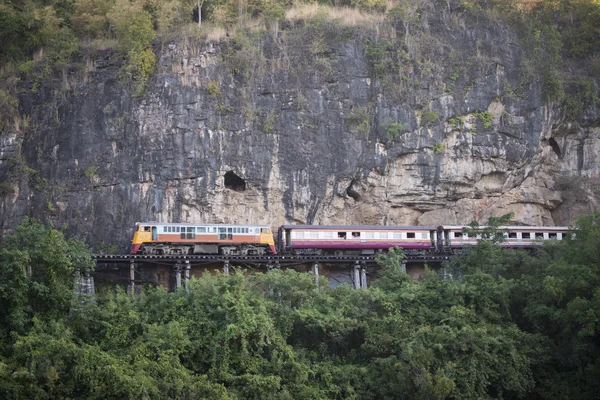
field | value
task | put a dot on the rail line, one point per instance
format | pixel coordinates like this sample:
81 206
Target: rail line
178 258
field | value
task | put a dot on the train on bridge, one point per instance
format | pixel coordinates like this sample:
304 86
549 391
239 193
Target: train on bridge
232 239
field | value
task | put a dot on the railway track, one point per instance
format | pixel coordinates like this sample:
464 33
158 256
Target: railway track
182 258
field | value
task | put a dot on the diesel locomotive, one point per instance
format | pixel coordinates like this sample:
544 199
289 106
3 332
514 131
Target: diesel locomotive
229 239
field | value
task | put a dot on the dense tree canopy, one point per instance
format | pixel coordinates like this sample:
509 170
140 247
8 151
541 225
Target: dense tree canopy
521 325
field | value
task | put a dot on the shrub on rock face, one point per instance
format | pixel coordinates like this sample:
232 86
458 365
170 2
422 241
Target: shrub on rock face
135 31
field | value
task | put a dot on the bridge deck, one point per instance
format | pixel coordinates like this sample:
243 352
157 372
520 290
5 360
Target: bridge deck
128 258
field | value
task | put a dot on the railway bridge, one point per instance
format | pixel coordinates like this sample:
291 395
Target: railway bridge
174 271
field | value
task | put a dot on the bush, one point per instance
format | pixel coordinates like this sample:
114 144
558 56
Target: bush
213 89
485 117
90 17
361 118
393 129
552 86
5 189
379 54
135 30
429 118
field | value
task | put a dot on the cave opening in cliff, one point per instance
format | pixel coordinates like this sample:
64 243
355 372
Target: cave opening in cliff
350 191
234 182
555 147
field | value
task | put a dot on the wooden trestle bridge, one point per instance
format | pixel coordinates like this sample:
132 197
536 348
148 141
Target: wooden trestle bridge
174 271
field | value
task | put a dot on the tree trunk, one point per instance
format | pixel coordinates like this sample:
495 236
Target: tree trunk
200 12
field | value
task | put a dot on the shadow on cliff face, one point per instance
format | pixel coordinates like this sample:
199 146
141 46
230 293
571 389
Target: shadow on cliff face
234 182
555 147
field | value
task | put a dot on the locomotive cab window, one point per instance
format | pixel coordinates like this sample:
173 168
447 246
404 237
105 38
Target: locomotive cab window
146 229
265 230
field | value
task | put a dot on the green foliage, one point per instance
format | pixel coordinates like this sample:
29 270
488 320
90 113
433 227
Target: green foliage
223 108
213 89
552 86
393 129
512 325
5 189
18 166
243 55
439 148
428 118
46 292
26 67
90 171
269 124
370 5
107 248
456 123
393 276
361 119
491 231
511 92
379 55
90 17
581 93
24 28
9 107
134 29
485 117
273 12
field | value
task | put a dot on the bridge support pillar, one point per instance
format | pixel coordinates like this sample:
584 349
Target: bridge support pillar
187 275
131 287
226 267
356 276
177 275
84 285
363 276
315 271
403 267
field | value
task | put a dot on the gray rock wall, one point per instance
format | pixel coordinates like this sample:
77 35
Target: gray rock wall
307 122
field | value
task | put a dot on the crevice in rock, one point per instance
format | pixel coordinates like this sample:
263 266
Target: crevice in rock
234 182
353 193
555 147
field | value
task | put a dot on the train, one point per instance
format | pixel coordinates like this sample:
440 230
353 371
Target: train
233 239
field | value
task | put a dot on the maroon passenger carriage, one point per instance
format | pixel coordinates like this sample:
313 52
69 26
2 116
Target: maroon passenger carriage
355 239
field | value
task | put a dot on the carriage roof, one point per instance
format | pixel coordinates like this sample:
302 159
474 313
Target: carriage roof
360 227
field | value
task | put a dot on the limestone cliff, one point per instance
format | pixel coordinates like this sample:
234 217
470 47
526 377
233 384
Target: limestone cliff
317 122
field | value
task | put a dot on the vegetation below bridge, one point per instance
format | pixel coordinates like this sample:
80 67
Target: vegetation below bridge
511 324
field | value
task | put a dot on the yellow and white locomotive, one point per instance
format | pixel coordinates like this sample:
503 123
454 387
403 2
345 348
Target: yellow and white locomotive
172 238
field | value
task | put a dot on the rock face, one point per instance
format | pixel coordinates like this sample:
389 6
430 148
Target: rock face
301 127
